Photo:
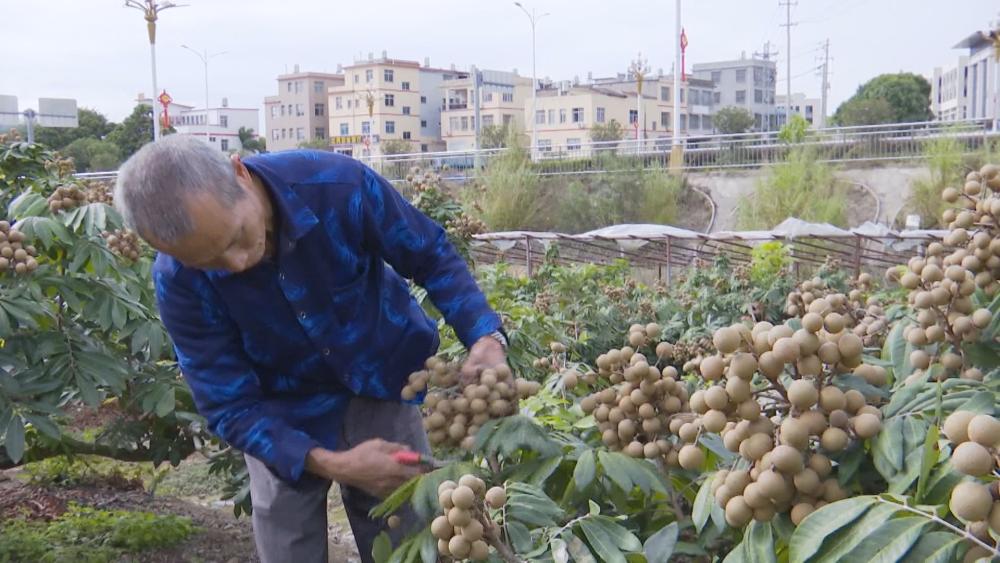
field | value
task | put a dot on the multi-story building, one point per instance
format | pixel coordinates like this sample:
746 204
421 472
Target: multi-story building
971 88
298 113
697 103
385 99
219 126
811 109
502 97
747 83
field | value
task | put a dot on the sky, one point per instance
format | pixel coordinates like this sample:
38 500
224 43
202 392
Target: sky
97 52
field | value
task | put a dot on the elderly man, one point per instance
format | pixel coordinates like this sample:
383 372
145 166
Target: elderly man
281 279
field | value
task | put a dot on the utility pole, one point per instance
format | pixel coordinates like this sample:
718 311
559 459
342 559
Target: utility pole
826 79
205 57
676 150
533 17
788 56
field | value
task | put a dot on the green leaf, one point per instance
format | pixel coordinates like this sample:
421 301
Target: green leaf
894 350
529 504
928 460
514 433
934 547
382 548
660 546
14 439
165 404
890 542
702 507
984 355
624 539
578 550
520 537
844 540
758 543
44 425
28 204
583 473
603 544
983 402
822 523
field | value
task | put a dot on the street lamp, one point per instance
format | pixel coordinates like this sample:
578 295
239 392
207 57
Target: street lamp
204 59
533 17
151 10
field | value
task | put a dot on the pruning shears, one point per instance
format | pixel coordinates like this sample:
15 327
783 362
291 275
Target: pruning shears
408 457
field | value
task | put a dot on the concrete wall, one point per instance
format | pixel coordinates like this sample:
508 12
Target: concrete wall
890 184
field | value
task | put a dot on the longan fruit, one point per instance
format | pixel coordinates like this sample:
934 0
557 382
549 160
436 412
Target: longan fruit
459 547
691 457
972 459
794 433
787 459
738 512
971 501
726 340
802 394
393 522
712 368
472 531
985 430
441 528
834 440
956 426
800 511
459 517
480 550
867 425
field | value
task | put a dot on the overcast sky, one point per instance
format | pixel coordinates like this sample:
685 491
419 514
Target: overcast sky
96 50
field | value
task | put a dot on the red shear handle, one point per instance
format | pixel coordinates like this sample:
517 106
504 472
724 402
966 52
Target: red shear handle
407 457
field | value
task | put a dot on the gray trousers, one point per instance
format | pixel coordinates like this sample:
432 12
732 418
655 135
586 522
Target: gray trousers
289 521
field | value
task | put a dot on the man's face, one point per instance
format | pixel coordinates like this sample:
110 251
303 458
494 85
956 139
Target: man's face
231 238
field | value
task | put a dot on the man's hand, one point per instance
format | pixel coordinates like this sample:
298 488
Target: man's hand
368 466
485 353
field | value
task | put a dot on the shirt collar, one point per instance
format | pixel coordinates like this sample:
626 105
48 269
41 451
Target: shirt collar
294 216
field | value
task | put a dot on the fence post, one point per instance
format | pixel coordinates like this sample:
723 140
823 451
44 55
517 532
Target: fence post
527 253
670 265
857 256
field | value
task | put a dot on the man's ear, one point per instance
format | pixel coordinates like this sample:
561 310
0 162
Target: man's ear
239 168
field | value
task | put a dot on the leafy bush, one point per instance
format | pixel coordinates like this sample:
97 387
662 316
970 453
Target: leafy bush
508 194
90 535
801 187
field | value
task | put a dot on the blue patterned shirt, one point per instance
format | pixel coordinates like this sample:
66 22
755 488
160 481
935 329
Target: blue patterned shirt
273 354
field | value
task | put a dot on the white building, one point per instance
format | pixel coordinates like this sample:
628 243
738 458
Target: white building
811 109
219 126
971 88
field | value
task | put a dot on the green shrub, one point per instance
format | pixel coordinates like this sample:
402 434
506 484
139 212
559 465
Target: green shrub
767 261
89 535
801 187
66 471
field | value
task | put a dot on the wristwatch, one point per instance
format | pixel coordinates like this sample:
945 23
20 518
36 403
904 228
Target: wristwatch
500 337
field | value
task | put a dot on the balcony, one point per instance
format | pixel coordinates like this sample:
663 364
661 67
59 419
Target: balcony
455 105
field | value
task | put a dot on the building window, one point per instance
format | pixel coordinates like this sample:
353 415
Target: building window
599 117
423 148
423 123
298 86
224 144
369 74
540 117
664 93
717 97
508 119
274 135
274 111
318 110
706 122
406 135
366 128
318 86
684 121
507 97
453 124
573 144
320 133
716 76
390 127
758 96
283 131
741 96
388 75
423 99
633 115
552 116
665 119
487 96
299 111
465 123
562 115
345 129
282 110
300 133
577 115
224 121
289 84
682 95
758 76
338 102
696 122
741 75
357 78
545 145
348 104
406 110
390 100
487 121
405 86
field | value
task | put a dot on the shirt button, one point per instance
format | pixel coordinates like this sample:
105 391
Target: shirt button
291 246
326 351
281 277
302 314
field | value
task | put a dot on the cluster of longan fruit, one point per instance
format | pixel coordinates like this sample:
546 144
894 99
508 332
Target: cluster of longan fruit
461 528
635 413
124 243
788 470
11 136
976 438
942 282
862 314
15 255
66 197
453 414
100 192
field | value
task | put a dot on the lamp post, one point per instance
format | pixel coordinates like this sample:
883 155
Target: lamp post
533 17
151 10
639 69
676 149
204 59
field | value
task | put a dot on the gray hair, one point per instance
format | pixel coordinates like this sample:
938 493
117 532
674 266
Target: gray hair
154 183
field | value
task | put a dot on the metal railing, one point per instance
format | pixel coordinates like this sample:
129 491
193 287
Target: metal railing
896 141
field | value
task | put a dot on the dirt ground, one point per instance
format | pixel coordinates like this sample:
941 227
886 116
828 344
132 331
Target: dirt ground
220 537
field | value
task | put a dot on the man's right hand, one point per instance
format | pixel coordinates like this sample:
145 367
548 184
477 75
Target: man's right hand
368 466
